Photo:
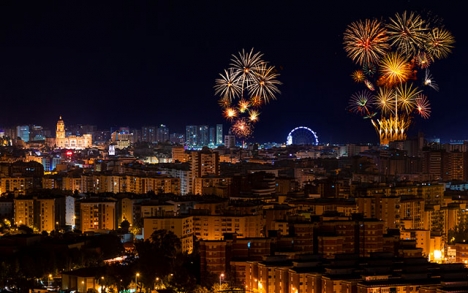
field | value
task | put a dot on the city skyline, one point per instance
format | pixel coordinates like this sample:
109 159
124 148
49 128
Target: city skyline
135 64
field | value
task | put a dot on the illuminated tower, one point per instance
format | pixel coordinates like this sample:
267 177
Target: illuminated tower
60 133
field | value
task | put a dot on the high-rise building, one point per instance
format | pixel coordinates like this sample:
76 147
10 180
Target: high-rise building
22 132
191 135
212 141
219 134
203 135
148 134
162 133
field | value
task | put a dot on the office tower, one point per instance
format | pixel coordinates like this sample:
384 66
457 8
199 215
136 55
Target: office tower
212 141
191 135
219 134
22 131
162 133
203 135
148 134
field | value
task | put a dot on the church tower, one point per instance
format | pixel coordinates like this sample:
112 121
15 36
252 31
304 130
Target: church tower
60 133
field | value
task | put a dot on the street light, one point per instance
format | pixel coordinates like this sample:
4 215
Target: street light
221 278
136 281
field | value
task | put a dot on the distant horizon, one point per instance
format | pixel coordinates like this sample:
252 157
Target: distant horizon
225 132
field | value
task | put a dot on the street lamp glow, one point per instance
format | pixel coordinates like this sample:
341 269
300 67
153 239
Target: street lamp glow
221 278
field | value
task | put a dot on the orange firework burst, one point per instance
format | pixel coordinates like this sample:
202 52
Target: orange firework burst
395 69
230 113
423 106
242 128
224 102
365 41
256 101
358 75
243 105
253 115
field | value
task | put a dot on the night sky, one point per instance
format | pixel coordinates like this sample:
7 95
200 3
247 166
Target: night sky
135 63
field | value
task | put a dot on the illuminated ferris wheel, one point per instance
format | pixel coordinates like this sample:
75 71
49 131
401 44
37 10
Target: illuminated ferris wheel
302 136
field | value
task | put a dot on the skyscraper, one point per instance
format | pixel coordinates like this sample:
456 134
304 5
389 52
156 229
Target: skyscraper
148 134
162 133
203 135
191 135
219 134
212 136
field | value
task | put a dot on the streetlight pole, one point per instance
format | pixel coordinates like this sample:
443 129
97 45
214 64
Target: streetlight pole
136 281
220 279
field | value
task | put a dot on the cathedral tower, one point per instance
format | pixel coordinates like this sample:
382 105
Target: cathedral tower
60 133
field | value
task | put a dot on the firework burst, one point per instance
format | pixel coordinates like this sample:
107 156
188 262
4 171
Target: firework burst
266 84
366 41
369 85
227 86
406 96
242 128
245 65
230 113
407 32
243 105
395 69
423 107
360 102
429 81
390 56
384 100
369 69
439 43
253 83
358 76
253 116
422 60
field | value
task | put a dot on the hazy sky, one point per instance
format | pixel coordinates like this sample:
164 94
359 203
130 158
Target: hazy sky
134 63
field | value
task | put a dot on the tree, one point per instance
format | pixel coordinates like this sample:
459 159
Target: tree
125 225
157 256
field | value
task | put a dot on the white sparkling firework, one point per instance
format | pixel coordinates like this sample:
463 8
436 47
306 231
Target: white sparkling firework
429 80
227 86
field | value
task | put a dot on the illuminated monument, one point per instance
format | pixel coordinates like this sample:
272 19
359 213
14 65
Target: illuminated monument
72 141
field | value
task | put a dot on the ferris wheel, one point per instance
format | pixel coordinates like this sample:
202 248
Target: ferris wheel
302 136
